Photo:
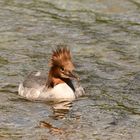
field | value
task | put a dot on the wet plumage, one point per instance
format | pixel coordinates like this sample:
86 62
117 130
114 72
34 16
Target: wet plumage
60 84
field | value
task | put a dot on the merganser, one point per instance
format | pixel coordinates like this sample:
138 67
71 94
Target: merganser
60 84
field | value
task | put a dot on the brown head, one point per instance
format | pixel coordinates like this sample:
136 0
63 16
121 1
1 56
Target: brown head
61 65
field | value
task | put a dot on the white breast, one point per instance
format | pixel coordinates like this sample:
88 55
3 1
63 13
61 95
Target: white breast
59 92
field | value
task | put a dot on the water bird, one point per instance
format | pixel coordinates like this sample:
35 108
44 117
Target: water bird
60 84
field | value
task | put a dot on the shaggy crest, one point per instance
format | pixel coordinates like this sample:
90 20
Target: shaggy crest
61 57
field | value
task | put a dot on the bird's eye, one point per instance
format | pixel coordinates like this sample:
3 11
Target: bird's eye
62 69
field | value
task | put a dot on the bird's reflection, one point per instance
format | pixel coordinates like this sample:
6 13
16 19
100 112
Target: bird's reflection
61 109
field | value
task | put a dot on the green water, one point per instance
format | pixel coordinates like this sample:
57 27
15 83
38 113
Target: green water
104 37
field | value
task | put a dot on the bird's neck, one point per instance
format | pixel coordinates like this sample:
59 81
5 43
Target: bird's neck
54 79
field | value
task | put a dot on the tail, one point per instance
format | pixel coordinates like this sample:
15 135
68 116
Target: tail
20 89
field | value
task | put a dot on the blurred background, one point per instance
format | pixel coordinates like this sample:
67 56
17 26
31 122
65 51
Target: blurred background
104 37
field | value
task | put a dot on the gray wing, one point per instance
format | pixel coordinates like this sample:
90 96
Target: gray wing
79 90
35 80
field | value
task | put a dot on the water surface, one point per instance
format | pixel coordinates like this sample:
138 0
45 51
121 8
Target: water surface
104 37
